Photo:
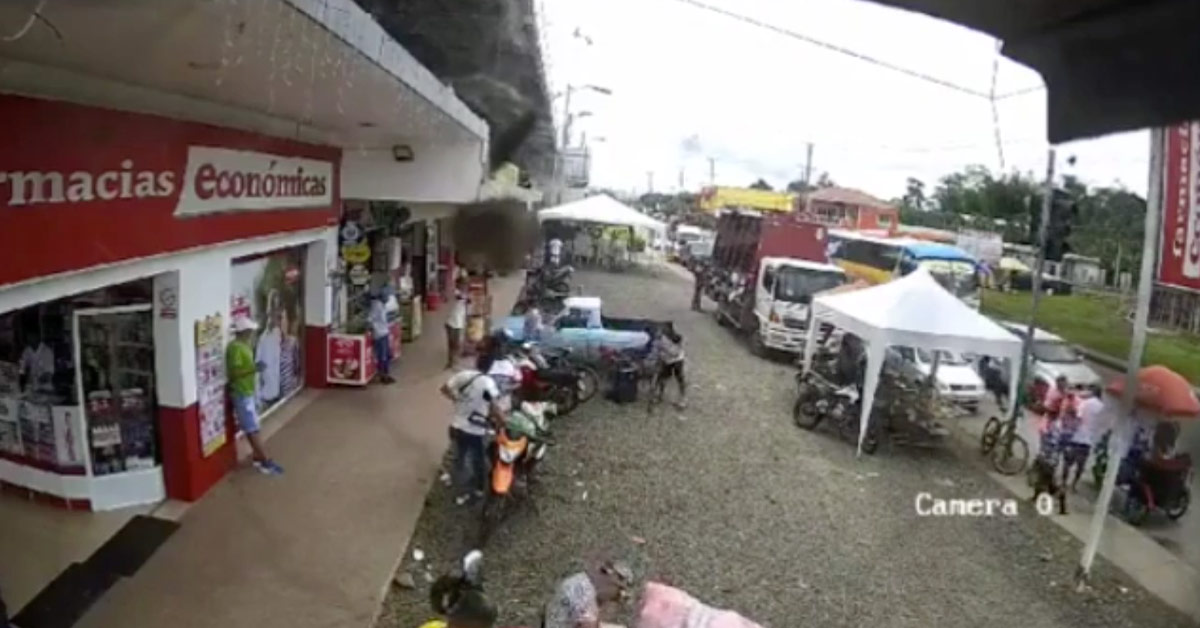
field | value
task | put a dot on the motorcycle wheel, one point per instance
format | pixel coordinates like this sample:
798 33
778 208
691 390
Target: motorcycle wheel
1136 510
804 413
589 383
490 516
1180 507
565 400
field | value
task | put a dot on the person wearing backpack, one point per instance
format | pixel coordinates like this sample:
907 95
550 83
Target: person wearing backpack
477 409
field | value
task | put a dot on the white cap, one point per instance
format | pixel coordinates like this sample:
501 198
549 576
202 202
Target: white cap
244 323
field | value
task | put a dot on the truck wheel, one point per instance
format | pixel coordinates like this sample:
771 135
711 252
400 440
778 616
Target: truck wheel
756 345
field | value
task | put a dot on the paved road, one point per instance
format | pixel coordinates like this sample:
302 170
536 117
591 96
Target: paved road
733 503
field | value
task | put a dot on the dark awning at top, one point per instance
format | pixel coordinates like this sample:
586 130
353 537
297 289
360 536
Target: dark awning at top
1109 65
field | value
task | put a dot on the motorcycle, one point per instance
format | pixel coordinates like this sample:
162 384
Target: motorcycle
518 448
819 399
1156 488
562 387
559 360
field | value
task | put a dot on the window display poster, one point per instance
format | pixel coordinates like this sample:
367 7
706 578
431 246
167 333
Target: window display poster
210 382
269 289
68 437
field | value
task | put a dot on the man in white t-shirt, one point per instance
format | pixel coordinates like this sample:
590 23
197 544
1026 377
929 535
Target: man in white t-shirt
476 411
554 247
1091 423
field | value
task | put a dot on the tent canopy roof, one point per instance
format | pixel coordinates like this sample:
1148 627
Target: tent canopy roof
602 209
916 311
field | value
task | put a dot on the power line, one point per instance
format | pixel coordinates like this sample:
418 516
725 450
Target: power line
836 48
1021 92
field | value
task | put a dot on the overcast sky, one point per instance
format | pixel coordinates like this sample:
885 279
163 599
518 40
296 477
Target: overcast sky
689 85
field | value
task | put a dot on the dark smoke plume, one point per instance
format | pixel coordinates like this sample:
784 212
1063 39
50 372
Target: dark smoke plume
494 235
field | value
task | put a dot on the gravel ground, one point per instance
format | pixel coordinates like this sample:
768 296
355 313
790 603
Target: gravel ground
733 503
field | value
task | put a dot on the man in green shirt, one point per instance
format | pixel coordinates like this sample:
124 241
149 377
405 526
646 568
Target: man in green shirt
242 372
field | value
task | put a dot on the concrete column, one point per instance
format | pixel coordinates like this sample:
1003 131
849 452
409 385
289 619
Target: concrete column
320 262
200 288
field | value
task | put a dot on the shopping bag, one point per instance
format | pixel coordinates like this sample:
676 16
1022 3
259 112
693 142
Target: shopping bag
667 607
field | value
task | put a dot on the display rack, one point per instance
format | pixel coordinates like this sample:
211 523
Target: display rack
210 382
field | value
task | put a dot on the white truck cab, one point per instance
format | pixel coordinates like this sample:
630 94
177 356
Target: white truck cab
784 291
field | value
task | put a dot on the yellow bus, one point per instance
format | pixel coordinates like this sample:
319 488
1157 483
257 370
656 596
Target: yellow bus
879 260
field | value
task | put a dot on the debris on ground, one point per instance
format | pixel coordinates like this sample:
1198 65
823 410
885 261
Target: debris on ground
404 580
418 555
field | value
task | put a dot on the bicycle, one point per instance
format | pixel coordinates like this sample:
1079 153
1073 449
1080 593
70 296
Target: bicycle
1009 451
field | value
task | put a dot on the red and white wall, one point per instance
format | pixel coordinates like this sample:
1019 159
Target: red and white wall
92 197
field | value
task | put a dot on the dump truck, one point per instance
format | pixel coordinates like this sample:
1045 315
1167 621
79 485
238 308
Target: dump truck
764 271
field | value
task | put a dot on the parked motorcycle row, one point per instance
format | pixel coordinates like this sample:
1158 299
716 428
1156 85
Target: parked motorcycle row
548 384
903 413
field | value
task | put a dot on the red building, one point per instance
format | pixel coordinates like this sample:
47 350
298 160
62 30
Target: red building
847 208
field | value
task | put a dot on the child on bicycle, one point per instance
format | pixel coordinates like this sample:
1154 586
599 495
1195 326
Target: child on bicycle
667 352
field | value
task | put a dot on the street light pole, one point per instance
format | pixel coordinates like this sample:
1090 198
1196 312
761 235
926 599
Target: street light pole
1137 345
566 132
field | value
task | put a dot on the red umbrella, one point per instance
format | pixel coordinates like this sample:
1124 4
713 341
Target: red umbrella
1163 391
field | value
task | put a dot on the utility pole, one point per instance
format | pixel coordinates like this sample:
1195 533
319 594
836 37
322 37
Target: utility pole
649 182
681 188
566 131
712 171
1039 262
1141 315
808 165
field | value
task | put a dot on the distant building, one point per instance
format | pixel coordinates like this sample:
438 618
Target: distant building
928 233
847 208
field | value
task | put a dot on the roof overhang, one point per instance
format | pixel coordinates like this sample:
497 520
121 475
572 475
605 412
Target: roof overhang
1109 65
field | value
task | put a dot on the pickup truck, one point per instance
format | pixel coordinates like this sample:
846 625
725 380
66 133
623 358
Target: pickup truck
582 329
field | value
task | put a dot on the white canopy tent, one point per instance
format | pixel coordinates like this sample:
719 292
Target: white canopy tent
602 209
913 311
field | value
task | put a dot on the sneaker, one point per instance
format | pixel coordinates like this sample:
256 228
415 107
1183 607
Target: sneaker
268 467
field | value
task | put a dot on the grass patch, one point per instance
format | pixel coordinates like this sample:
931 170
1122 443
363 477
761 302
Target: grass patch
1095 321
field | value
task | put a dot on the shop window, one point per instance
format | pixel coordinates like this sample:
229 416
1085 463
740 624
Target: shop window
46 421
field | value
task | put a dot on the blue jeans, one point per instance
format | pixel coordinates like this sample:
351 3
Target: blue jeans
469 464
383 354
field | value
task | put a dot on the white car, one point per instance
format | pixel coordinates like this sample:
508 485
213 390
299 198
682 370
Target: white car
957 379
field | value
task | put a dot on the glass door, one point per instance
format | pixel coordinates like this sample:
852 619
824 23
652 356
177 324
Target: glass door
116 376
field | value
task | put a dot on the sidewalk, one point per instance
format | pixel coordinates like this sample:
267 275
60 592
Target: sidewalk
1154 567
318 546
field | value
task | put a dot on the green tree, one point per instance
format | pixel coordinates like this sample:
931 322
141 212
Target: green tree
914 195
761 184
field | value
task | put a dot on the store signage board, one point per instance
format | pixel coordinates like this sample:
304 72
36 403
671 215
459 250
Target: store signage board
82 187
1179 259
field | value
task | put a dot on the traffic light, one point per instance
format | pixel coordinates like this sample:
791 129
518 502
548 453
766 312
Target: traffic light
1063 211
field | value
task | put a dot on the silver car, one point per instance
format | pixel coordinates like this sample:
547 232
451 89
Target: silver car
1053 357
